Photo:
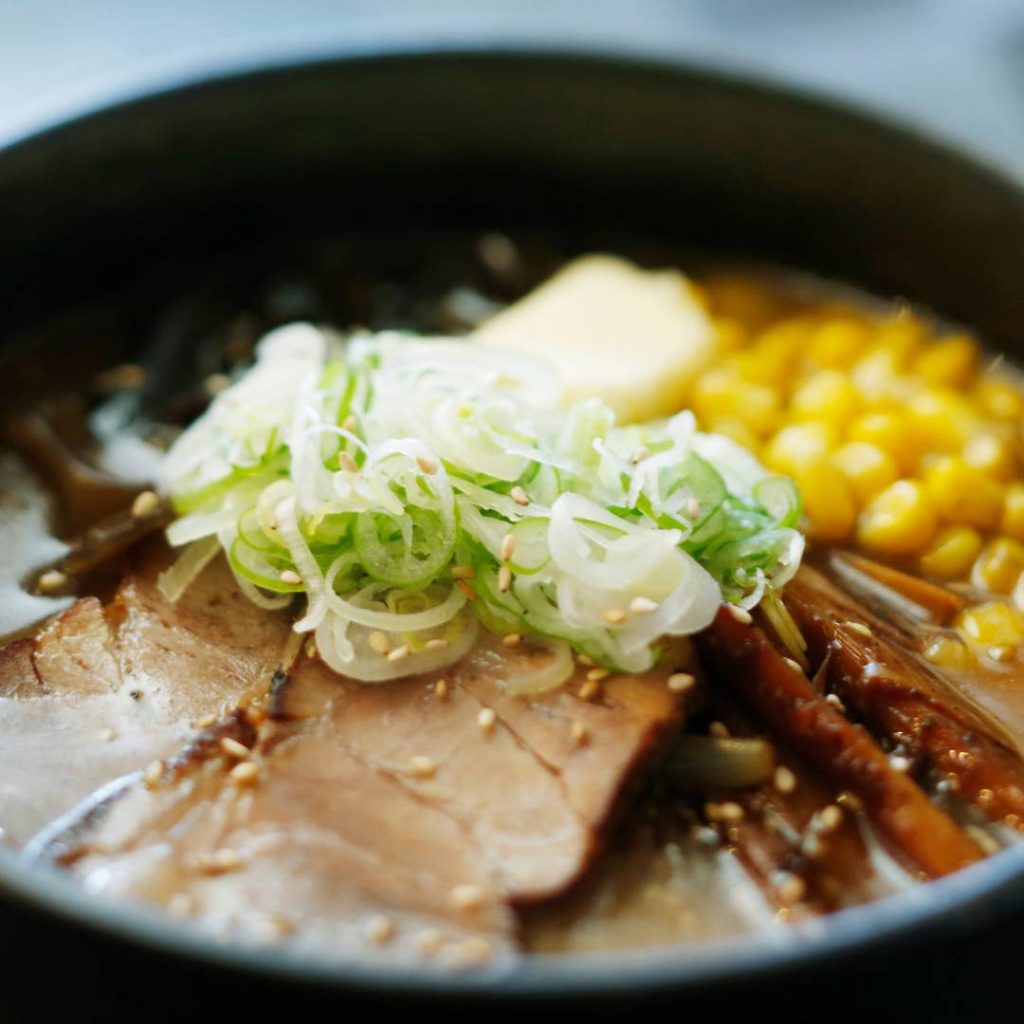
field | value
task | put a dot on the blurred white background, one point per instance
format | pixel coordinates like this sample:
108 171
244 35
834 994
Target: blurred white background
954 66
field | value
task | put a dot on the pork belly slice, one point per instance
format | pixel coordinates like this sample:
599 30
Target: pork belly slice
100 692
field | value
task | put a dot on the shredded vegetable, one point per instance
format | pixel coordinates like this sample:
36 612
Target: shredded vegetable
412 489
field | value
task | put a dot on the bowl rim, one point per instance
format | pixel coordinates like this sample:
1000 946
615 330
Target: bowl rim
975 895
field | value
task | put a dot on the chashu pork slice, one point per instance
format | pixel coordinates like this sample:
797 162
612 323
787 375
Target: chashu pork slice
402 814
99 692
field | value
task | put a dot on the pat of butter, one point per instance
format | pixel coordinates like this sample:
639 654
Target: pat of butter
634 338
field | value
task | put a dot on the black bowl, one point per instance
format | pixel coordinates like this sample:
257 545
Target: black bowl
593 146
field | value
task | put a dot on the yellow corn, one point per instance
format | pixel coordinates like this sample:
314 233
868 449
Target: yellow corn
953 553
730 334
891 432
797 445
999 398
993 624
867 468
1012 521
999 566
901 520
994 453
964 494
943 420
948 651
828 396
837 344
719 393
828 500
948 363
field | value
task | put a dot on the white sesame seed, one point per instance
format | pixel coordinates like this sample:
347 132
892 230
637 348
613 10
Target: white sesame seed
795 665
467 590
508 547
441 689
463 572
790 887
512 639
680 682
429 941
836 701
233 748
154 772
467 897
729 811
504 579
614 616
379 642
311 648
830 818
380 930
597 674
52 579
436 644
643 452
740 614
428 465
585 659
422 767
145 503
643 606
291 577
857 627
398 654
245 773
350 424
518 495
347 463
900 763
784 780
107 735
219 862
589 690
692 507
486 719
579 733
206 721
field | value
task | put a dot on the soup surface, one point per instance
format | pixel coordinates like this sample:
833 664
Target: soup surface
856 733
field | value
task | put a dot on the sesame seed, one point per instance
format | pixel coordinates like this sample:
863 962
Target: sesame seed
719 730
145 503
181 904
437 644
347 463
244 774
829 818
850 801
463 572
428 465
429 941
107 735
858 628
811 846
206 721
291 577
597 674
680 682
380 930
254 716
986 796
614 616
311 648
467 590
467 897
504 579
589 690
728 811
784 780
836 701
692 507
233 748
512 639
518 495
795 665
154 772
398 654
486 719
51 580
441 689
740 614
900 763
422 767
379 642
584 659
350 424
643 452
643 606
790 887
706 836
508 547
579 733
219 862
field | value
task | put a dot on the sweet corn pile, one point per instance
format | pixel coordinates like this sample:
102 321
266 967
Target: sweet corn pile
903 442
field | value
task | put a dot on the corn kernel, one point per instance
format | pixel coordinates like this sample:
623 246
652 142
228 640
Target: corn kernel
993 453
901 520
903 335
999 398
837 344
730 334
964 494
948 363
993 623
720 393
1012 520
828 500
797 445
953 553
828 395
891 432
867 468
999 566
879 377
736 430
773 358
943 420
949 652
